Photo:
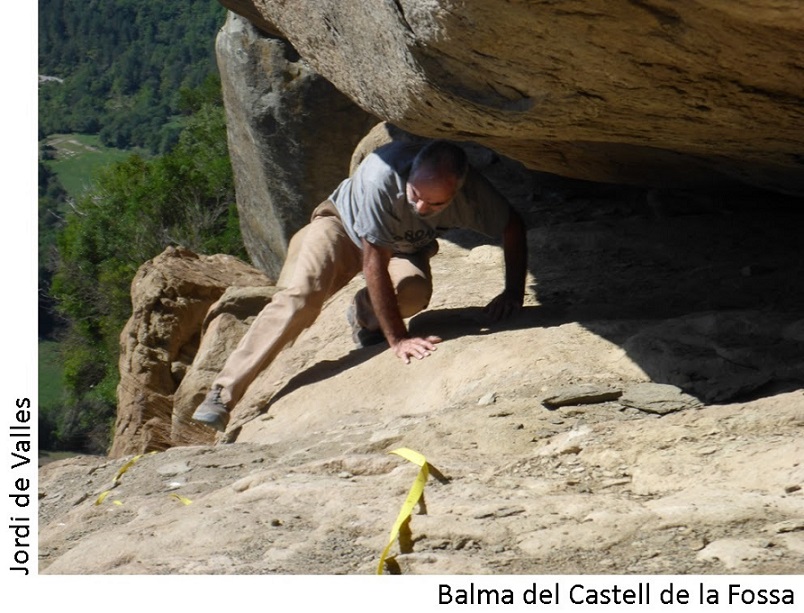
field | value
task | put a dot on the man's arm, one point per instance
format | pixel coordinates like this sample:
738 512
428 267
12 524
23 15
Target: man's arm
383 300
515 249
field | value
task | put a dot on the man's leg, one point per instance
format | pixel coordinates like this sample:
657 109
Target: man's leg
326 260
413 281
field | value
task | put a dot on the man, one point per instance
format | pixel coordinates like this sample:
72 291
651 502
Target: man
383 220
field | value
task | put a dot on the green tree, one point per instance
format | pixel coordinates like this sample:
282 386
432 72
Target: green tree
136 209
52 200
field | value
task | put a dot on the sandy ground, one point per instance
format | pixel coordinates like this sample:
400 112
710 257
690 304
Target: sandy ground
701 294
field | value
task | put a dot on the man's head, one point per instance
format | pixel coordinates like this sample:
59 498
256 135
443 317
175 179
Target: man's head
437 173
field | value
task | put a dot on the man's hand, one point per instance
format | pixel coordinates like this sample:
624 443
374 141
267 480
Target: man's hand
416 347
515 250
503 306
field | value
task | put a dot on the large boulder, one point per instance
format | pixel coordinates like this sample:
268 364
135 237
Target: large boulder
171 296
662 93
291 135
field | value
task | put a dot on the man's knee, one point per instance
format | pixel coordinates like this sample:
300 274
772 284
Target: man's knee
413 295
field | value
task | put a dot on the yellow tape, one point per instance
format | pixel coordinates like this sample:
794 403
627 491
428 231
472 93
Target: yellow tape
182 499
128 465
415 493
120 473
125 467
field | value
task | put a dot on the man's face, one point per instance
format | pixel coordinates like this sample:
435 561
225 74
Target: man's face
429 194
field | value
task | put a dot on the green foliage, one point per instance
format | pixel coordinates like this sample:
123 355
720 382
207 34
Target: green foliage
134 75
136 208
50 392
123 64
52 198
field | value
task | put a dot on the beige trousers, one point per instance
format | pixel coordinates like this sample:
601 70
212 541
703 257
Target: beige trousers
321 260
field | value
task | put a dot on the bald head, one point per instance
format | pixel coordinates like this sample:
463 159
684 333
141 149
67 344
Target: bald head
437 173
441 158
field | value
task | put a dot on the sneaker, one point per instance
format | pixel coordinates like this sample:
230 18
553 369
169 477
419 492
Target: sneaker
363 337
212 412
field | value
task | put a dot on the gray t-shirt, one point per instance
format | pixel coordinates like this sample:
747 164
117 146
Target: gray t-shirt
372 204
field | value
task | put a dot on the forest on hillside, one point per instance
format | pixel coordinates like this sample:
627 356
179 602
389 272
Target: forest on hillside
120 66
139 76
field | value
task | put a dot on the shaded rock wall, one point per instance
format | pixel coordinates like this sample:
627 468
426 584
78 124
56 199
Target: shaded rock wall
660 93
291 134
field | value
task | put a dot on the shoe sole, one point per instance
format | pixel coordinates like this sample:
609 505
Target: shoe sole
213 420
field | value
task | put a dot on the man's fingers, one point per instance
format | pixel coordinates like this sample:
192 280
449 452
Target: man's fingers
418 348
494 310
422 347
502 307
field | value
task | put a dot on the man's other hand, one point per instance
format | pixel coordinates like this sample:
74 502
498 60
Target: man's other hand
418 348
503 306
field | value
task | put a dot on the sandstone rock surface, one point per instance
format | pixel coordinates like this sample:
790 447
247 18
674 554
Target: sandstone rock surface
653 92
307 485
170 295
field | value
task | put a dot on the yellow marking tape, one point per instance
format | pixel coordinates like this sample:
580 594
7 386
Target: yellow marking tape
128 465
120 473
415 493
182 499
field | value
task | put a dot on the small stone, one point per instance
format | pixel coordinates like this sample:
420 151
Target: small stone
509 511
699 544
488 399
792 488
658 398
580 394
791 525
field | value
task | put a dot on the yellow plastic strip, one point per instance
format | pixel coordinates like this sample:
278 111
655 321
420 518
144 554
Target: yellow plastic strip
415 493
128 465
182 499
120 473
125 467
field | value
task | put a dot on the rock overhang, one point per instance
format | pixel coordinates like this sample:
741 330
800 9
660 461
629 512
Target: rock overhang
652 93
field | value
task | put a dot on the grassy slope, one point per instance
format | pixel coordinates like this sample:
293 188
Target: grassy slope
78 159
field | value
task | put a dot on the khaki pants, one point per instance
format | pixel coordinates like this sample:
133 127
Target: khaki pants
321 260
